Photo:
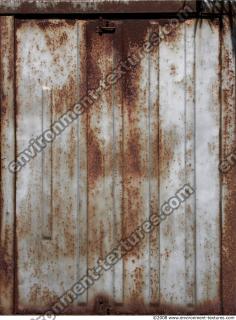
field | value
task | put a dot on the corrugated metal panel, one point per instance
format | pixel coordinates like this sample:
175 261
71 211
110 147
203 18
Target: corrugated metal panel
168 122
228 136
7 199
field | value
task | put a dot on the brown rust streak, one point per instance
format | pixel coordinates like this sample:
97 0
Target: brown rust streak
7 262
228 249
94 76
134 39
99 146
229 246
95 159
133 167
134 157
64 97
168 140
94 49
133 163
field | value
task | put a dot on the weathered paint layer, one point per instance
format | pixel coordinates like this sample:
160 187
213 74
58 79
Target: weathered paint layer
167 122
7 136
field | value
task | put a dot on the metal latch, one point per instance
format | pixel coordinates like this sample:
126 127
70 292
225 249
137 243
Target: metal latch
105 27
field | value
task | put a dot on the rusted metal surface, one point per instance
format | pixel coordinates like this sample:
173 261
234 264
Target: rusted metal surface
229 179
207 177
168 122
46 59
173 141
7 198
95 6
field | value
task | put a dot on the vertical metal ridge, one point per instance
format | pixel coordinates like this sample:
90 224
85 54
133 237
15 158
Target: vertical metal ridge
78 79
194 142
8 252
78 157
86 296
154 249
149 166
82 165
167 123
15 247
189 162
47 166
172 166
220 156
158 170
114 279
118 290
228 169
185 153
207 157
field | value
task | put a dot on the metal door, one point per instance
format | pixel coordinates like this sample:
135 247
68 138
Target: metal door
156 120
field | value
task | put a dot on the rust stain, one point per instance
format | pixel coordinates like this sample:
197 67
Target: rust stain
228 94
56 32
95 159
46 25
5 264
37 293
173 69
135 34
64 97
94 49
133 162
228 241
139 282
54 44
169 140
4 104
103 304
170 33
134 171
229 246
72 152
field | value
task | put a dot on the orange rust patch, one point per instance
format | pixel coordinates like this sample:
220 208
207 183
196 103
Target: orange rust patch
64 97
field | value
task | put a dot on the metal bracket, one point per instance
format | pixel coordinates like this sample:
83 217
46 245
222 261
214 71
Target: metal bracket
105 27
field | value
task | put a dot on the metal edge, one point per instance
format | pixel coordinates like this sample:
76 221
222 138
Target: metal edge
89 7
